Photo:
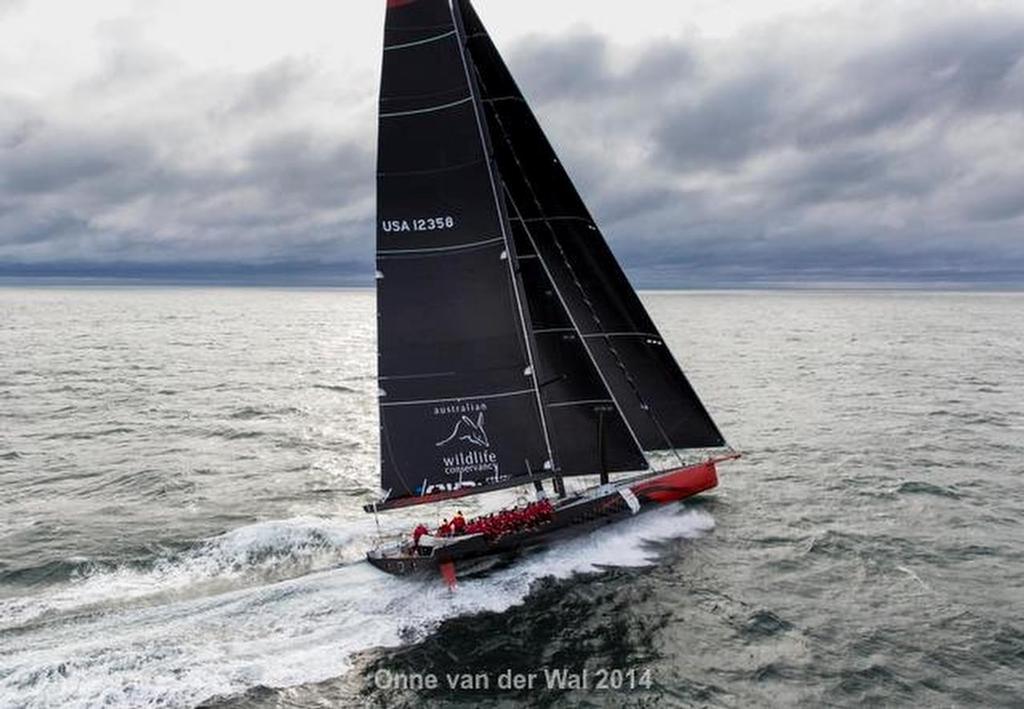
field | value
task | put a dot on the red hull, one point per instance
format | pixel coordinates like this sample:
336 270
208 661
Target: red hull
677 484
571 517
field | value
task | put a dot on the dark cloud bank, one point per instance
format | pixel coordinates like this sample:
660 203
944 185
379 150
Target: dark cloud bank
864 151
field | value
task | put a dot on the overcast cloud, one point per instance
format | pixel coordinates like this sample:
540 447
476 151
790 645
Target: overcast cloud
840 142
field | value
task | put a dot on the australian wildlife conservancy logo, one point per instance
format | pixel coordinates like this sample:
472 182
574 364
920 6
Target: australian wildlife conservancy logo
466 450
468 430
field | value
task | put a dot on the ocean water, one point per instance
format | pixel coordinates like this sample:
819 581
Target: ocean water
182 472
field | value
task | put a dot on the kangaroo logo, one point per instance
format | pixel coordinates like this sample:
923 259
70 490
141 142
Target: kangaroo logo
468 430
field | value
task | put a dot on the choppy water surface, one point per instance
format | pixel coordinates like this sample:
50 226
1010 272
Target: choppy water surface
182 470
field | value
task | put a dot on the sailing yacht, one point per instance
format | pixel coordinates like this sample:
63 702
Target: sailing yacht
512 349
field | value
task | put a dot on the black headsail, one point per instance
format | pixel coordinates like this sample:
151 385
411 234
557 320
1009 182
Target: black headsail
588 434
551 222
459 405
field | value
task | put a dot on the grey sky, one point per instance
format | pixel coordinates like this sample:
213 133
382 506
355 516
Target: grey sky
715 142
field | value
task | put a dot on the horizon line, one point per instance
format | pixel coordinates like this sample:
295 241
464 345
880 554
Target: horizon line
805 285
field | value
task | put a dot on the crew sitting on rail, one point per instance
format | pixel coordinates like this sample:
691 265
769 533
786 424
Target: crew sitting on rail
505 522
445 530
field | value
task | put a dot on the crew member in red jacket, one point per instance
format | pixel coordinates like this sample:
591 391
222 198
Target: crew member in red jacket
459 523
420 530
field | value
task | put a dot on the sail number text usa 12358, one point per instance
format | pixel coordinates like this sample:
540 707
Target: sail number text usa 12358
425 224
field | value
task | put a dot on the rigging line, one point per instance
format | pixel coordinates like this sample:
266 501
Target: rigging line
611 348
515 282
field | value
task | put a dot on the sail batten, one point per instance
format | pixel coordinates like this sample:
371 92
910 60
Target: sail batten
581 402
442 249
460 399
404 45
428 109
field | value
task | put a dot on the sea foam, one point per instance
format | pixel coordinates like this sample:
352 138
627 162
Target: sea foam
199 625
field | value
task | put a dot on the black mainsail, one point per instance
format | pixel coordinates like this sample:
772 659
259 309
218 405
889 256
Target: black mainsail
458 398
511 346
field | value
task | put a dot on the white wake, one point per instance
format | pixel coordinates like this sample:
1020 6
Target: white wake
202 625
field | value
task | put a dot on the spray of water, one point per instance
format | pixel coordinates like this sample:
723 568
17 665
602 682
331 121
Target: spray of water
214 622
